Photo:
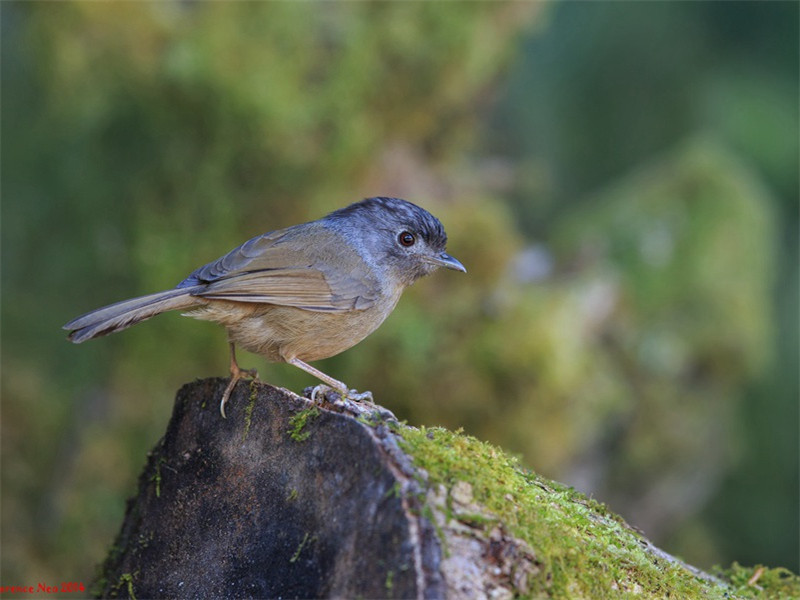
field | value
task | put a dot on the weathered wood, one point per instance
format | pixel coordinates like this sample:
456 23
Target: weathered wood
281 499
291 499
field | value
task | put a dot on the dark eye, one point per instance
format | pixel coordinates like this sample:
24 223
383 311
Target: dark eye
406 238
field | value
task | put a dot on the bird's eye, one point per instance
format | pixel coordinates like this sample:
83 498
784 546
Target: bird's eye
406 238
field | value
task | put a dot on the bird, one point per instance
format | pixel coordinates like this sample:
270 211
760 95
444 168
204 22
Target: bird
300 294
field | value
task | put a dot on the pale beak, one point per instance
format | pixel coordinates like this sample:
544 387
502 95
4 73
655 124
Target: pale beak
446 261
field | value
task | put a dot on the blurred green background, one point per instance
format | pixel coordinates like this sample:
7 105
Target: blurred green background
620 179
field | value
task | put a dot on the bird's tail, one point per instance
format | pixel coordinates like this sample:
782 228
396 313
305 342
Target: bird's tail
119 316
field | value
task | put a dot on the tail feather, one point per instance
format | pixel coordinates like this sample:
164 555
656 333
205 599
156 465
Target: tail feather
122 315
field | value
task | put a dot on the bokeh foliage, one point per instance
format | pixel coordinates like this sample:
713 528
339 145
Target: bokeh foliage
609 87
619 353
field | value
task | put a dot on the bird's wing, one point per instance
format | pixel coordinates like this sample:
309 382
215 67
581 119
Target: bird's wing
283 268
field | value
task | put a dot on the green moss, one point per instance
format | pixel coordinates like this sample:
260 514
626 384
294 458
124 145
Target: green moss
292 495
760 581
299 422
367 419
389 581
394 491
126 580
476 520
303 543
248 411
156 476
585 550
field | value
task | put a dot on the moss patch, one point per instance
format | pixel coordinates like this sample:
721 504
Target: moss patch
299 422
156 476
124 584
248 411
389 581
761 581
585 550
305 542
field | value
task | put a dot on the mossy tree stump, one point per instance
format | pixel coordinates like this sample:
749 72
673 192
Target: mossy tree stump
287 498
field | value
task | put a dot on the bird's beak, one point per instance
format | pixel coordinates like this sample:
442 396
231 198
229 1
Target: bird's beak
446 261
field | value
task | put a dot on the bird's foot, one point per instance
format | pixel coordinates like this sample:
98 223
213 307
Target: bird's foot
322 393
319 394
360 396
236 375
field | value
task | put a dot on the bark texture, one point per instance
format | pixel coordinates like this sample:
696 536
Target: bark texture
281 499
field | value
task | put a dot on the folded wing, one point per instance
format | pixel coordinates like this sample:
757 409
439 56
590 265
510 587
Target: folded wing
280 268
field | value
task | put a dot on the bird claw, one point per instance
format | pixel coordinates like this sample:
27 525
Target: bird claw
360 396
235 377
325 390
321 393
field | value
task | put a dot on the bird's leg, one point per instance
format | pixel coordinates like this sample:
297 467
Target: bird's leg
330 381
236 374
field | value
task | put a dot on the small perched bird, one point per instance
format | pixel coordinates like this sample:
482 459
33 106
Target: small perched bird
300 294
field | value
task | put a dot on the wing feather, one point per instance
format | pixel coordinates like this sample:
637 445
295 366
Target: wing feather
278 268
